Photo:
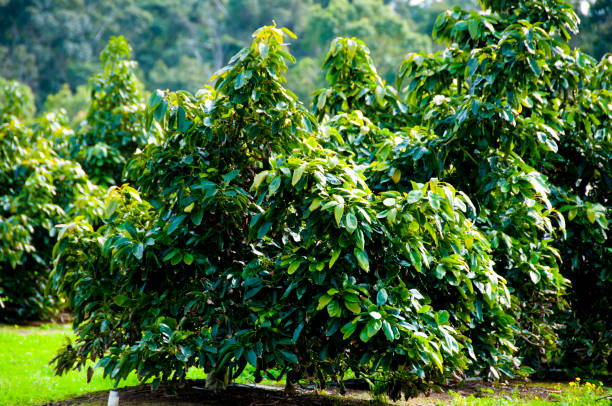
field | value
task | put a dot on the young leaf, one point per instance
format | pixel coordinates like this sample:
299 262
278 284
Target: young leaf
362 259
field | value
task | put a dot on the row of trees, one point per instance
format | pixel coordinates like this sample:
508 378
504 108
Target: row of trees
455 223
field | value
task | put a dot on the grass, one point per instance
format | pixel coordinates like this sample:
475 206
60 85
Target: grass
573 394
25 376
26 379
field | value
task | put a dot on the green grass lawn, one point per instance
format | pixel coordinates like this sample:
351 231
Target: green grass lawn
27 379
25 376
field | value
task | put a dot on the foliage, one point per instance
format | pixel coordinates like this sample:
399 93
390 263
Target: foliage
75 104
114 128
16 99
522 125
38 190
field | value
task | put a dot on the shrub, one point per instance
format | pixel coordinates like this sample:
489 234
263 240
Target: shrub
249 242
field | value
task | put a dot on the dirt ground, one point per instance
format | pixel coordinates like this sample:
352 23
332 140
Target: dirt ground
193 393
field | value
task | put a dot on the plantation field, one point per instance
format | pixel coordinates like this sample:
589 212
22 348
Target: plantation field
27 379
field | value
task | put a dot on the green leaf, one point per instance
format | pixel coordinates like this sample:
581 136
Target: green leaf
388 330
350 222
590 213
161 109
473 28
251 357
352 306
297 175
373 327
437 359
534 66
338 212
289 356
276 182
316 203
171 254
363 334
175 223
188 258
139 251
324 301
120 300
389 202
415 258
362 259
196 217
414 196
294 267
258 179
381 297
396 176
443 316
334 309
240 81
334 257
182 123
111 208
348 329
375 315
230 176
424 309
297 332
263 230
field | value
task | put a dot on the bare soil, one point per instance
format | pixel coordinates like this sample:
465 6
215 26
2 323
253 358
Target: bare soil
193 393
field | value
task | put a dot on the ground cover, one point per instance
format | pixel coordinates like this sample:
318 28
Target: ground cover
27 379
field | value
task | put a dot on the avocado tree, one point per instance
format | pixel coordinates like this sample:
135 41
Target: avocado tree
38 190
243 239
114 128
522 124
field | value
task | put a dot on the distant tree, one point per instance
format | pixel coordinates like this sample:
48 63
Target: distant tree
595 36
114 128
38 190
74 103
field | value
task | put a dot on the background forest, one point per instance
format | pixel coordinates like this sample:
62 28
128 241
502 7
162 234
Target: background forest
53 46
